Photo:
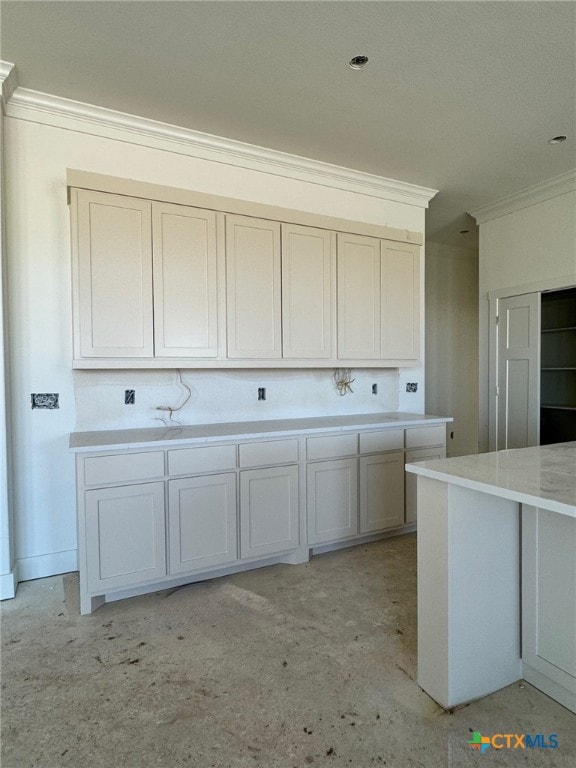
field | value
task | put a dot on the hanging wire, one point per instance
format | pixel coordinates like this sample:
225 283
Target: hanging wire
172 410
343 380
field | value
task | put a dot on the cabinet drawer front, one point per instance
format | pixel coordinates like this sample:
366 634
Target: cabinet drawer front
268 452
125 467
332 446
213 458
386 440
420 437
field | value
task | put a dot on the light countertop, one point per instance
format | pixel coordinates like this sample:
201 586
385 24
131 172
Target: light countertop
543 476
205 433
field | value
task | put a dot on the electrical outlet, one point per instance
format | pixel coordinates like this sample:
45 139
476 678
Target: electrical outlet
129 396
412 387
374 389
261 393
48 400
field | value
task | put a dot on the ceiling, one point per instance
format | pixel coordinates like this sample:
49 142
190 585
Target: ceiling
459 96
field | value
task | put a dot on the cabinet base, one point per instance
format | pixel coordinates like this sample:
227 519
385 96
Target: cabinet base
91 602
331 546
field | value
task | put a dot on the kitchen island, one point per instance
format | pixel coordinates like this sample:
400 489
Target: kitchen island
497 573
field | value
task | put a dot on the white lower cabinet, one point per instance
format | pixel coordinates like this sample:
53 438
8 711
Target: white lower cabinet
548 607
350 497
332 491
202 522
422 454
125 536
165 513
381 491
269 511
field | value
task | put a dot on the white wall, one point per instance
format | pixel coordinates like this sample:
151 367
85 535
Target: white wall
452 341
41 341
7 571
526 250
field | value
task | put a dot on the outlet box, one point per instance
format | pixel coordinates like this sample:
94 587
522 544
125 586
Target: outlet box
374 389
48 400
129 396
412 387
261 393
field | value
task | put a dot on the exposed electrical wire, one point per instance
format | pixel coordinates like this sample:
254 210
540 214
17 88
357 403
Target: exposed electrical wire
172 410
343 380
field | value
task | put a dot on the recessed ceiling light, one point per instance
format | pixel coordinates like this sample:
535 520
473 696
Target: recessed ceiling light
557 140
358 62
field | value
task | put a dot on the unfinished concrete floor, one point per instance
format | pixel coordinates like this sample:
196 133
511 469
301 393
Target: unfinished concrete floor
309 665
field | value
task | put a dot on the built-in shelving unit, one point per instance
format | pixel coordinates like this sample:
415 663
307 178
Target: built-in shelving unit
558 367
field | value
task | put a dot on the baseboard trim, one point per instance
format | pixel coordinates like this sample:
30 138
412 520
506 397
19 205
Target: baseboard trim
51 564
8 584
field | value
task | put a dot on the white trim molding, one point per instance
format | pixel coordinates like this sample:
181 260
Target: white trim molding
50 564
7 80
8 585
539 193
52 110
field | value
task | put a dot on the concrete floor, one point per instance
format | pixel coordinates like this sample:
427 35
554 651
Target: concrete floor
309 665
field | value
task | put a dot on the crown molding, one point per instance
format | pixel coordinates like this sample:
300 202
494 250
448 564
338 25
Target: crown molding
539 193
7 80
52 110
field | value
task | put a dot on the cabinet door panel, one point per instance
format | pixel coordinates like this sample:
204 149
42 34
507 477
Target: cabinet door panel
185 281
548 607
306 292
381 491
268 511
125 536
114 272
400 277
202 522
410 480
253 288
332 490
358 297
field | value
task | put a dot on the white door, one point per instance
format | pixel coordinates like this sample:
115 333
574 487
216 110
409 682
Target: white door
548 607
400 301
185 281
268 511
254 320
202 522
358 297
125 536
332 490
518 366
114 276
306 292
381 491
410 480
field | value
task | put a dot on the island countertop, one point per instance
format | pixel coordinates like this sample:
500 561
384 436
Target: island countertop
206 433
542 476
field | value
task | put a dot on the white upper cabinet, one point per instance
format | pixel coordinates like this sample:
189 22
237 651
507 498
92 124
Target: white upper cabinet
113 276
185 281
307 300
358 297
162 284
400 292
378 300
254 312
